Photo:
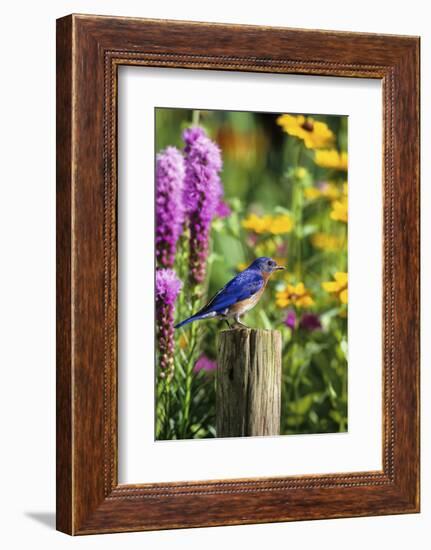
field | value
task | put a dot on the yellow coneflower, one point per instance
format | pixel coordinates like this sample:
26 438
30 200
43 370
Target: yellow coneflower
296 295
314 134
338 286
328 191
330 243
276 225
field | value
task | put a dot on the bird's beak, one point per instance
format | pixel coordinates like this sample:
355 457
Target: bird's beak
278 267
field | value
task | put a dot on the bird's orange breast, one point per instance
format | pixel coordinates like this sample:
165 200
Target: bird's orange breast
266 275
245 305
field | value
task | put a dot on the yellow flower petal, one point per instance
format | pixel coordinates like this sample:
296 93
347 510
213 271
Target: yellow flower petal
299 288
276 225
339 210
312 193
330 286
329 191
280 224
332 159
324 241
343 296
339 286
282 301
341 278
305 301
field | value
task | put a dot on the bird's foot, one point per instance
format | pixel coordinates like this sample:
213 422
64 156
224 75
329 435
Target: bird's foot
239 324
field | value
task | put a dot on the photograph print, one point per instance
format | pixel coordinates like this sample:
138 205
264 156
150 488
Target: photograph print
251 283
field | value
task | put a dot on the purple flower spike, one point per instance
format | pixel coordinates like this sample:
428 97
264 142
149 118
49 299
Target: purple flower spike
169 204
192 134
310 321
290 320
168 287
202 194
204 363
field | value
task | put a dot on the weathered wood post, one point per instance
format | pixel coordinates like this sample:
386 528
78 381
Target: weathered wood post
248 382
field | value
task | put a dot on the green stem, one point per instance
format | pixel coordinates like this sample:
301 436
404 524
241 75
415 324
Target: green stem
163 414
195 117
297 209
185 428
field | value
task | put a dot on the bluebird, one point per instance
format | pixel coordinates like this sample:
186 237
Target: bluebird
239 295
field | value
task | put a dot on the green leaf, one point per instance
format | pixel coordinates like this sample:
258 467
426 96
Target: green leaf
302 405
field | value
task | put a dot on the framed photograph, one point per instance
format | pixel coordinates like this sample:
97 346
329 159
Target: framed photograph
237 274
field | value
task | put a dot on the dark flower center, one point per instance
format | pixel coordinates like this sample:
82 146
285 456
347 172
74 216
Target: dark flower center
308 126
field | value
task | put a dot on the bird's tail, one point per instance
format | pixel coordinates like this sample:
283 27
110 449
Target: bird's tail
194 317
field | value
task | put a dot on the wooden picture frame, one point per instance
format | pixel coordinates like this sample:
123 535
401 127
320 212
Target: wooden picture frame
89 51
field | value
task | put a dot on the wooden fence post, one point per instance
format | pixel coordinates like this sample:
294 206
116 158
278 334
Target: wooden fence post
248 383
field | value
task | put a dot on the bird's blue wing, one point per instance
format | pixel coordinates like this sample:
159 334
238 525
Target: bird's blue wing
241 287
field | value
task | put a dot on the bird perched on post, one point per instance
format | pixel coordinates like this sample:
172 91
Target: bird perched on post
239 295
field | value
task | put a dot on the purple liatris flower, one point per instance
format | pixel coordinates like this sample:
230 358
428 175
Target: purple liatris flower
168 287
290 320
169 204
202 195
205 363
310 321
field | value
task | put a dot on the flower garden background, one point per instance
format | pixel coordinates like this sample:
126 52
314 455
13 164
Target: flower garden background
232 186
